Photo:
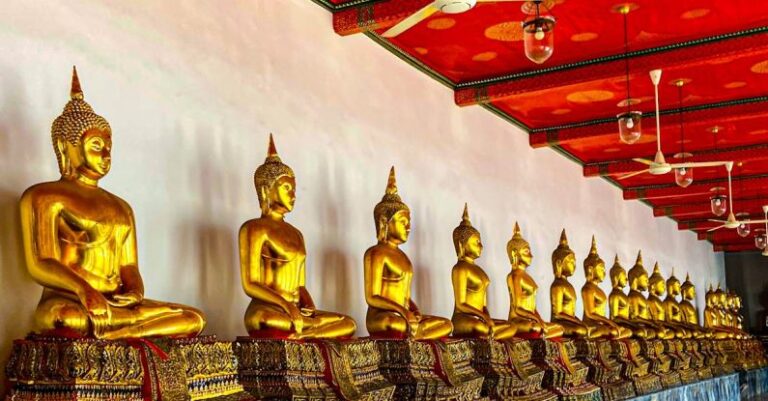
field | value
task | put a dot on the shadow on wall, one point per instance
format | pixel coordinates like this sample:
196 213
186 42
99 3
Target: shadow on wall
335 265
19 293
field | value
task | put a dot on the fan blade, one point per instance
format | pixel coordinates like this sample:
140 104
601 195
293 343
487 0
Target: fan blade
630 175
697 164
753 221
644 161
717 221
412 20
716 228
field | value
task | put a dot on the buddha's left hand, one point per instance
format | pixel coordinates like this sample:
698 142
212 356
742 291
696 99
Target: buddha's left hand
126 299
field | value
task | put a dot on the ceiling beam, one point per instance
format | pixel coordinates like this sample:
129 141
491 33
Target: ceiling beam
703 210
692 52
698 188
370 16
735 248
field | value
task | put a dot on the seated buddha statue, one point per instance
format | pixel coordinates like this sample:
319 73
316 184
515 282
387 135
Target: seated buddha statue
522 292
727 318
672 308
471 318
638 304
619 304
562 294
736 310
595 301
388 273
80 242
689 314
273 264
657 289
712 316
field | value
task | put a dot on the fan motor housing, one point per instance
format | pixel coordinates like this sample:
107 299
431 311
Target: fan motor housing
455 6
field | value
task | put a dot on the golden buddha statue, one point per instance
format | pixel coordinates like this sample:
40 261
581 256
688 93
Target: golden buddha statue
272 264
688 312
638 304
672 311
522 292
657 288
736 310
712 316
595 301
562 294
471 318
619 304
80 242
388 274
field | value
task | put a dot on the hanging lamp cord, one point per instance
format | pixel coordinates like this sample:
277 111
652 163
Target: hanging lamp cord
682 129
626 56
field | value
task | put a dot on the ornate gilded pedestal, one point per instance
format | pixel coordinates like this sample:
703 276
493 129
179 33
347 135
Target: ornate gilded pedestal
680 361
661 363
311 370
715 357
430 369
62 368
698 360
604 369
563 374
508 371
635 366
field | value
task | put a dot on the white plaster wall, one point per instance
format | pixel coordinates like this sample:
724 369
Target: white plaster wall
192 90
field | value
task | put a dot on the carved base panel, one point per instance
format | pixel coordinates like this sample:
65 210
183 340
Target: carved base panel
635 367
59 368
604 369
312 370
670 379
564 374
647 384
508 371
430 370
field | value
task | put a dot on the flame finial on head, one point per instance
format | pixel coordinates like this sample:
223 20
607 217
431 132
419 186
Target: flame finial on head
463 232
76 92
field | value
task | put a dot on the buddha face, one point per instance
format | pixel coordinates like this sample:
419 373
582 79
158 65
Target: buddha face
282 195
658 287
522 257
473 247
642 282
689 293
674 289
91 156
399 226
600 272
568 265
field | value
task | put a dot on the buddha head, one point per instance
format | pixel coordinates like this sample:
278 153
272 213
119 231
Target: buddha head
275 183
594 266
466 239
618 274
688 290
673 285
391 216
657 285
81 138
563 258
519 250
720 297
638 277
709 297
736 300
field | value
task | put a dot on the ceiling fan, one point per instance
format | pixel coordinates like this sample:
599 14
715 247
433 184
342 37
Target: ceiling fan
447 7
731 222
659 165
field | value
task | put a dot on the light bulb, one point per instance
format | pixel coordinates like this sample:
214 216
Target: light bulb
743 229
539 35
630 123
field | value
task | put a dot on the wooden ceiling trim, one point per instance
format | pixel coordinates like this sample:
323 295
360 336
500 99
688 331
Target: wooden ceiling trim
699 189
368 16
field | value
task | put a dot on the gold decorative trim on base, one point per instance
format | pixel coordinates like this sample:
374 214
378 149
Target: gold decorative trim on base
635 366
604 369
312 370
434 370
508 371
83 369
564 375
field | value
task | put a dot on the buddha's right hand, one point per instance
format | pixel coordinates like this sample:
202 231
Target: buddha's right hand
296 318
95 303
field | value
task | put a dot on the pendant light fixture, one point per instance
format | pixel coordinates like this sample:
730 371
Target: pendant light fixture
683 176
539 35
760 239
630 122
718 202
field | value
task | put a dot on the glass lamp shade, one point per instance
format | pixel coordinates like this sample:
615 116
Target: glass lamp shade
539 38
718 204
744 228
760 241
630 126
683 177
